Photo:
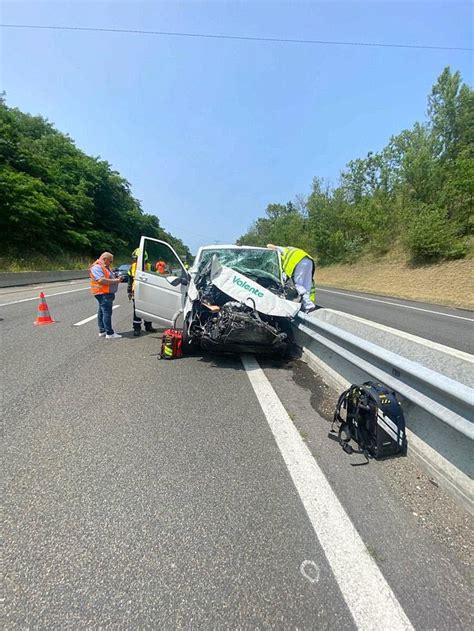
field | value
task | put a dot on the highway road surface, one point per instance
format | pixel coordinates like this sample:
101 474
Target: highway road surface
202 493
445 325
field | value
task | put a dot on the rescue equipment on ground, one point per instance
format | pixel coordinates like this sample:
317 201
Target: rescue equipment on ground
373 419
171 344
43 316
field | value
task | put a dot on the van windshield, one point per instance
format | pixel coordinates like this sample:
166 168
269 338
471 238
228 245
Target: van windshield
254 263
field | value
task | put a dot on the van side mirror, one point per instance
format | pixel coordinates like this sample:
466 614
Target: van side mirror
177 280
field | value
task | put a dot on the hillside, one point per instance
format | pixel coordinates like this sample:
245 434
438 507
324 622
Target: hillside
448 283
60 203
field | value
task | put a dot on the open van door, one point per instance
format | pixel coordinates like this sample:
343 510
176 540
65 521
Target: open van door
161 283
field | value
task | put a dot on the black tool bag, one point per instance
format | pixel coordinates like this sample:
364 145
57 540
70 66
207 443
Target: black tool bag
374 420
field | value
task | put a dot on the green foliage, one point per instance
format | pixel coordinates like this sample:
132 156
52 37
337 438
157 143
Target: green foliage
282 224
418 191
55 199
42 263
430 236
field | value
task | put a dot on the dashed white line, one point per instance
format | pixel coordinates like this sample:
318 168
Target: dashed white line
59 293
395 304
371 601
94 317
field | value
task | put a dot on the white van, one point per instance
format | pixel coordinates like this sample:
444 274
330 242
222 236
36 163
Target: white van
232 299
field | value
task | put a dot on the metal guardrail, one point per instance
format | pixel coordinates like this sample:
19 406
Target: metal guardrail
18 279
446 399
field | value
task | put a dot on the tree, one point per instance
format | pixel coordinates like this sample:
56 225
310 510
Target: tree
444 113
55 199
418 192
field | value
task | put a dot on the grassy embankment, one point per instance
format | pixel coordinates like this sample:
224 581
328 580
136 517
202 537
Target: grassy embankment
447 283
42 264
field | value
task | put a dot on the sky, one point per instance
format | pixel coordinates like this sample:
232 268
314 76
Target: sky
210 131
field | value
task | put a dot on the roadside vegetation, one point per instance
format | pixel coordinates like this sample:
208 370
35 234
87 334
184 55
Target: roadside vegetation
41 263
60 208
446 282
415 196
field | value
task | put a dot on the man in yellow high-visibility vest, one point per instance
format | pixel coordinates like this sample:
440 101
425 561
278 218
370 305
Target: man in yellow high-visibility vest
300 266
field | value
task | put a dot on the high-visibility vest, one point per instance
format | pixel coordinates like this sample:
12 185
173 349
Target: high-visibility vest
136 254
133 270
290 259
96 287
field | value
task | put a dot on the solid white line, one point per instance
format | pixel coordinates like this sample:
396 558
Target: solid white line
396 304
408 336
94 317
371 601
60 293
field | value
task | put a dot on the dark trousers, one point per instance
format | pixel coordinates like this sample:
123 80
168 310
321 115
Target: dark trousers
104 314
137 322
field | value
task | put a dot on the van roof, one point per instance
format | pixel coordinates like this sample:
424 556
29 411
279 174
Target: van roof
231 247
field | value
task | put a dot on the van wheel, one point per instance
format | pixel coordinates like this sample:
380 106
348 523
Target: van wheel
189 345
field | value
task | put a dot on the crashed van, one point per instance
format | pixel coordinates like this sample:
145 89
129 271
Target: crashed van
233 299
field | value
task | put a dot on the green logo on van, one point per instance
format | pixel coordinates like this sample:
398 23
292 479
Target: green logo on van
242 283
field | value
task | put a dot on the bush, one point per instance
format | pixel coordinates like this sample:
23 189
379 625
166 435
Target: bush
430 236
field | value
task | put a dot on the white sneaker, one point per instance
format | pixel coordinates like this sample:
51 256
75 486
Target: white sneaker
114 336
102 334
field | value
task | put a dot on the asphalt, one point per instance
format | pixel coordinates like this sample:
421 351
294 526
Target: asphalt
445 325
403 518
149 494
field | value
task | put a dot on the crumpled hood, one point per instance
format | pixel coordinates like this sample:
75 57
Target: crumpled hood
245 290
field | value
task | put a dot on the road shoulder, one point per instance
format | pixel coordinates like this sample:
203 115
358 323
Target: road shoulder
416 534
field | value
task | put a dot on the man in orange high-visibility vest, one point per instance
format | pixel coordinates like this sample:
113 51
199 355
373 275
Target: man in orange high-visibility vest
104 286
160 267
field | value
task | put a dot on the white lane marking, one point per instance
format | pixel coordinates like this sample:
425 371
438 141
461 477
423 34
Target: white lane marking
396 304
59 293
371 601
72 282
94 317
414 338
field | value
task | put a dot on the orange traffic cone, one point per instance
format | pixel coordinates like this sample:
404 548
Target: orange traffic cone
43 316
